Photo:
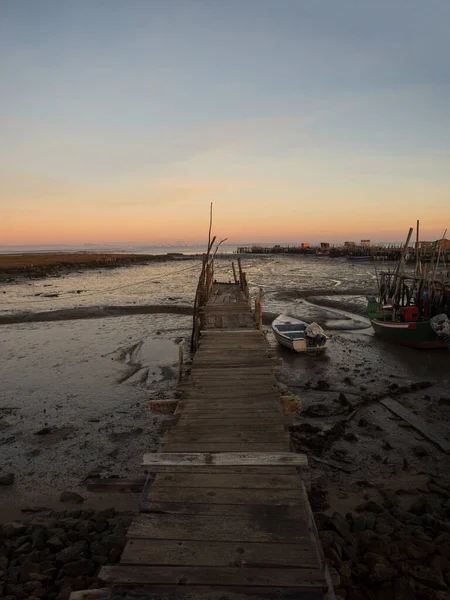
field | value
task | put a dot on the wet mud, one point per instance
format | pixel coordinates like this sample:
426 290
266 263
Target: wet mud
86 382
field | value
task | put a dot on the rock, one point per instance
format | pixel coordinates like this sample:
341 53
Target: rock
79 567
369 506
350 437
404 589
30 571
418 507
322 385
71 497
332 555
7 479
43 431
420 451
340 524
55 544
108 513
363 422
382 527
428 576
319 410
359 523
381 572
25 548
72 552
12 529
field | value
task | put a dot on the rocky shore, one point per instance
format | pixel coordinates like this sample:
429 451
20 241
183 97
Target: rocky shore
36 266
398 549
52 553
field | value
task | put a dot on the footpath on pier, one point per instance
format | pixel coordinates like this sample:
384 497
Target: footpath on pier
227 515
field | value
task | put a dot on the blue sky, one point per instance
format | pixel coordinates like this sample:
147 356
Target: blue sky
142 109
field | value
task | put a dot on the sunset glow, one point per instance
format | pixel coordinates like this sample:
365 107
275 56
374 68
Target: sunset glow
300 121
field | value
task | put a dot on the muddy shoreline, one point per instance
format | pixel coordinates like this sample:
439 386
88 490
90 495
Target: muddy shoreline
37 266
86 382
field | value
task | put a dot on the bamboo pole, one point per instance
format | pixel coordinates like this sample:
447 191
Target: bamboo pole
417 247
234 273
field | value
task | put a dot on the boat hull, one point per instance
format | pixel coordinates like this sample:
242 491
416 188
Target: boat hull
295 344
415 334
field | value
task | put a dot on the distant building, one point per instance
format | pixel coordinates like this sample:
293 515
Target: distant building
305 245
324 245
425 244
365 243
443 244
349 244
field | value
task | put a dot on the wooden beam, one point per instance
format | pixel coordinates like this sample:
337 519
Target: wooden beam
416 423
229 459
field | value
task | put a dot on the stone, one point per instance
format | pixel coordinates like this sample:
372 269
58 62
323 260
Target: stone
28 571
332 555
106 513
382 527
7 479
381 572
350 437
71 497
55 544
404 589
340 524
12 529
359 523
428 576
420 451
72 552
79 567
418 507
369 506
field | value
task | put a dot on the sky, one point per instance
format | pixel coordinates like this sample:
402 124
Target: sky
301 120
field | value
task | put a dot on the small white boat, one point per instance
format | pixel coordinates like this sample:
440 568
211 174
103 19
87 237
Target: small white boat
298 335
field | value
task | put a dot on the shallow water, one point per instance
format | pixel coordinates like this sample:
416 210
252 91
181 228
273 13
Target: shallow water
89 380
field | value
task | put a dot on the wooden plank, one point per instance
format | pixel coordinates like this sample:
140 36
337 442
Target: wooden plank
216 470
230 459
227 435
227 480
219 554
201 527
214 592
226 446
116 485
301 577
280 511
228 496
416 423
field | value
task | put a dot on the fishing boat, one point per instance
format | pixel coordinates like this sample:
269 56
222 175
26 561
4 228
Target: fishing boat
413 309
360 258
298 335
405 327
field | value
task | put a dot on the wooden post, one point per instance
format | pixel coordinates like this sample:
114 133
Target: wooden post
180 361
417 248
260 313
234 273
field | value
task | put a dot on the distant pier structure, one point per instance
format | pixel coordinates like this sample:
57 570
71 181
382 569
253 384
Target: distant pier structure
350 249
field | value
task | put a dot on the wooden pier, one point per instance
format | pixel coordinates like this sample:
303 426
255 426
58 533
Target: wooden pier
227 515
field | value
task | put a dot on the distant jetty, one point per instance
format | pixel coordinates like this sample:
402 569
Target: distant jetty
350 250
56 263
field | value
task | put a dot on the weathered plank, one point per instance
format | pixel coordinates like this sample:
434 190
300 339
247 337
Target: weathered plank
213 592
230 459
180 446
301 577
220 554
227 435
416 423
272 497
280 511
227 480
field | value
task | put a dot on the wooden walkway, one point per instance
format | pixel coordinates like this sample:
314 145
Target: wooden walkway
208 530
